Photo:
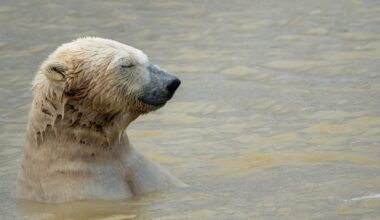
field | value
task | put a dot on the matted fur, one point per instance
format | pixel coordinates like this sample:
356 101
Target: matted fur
76 145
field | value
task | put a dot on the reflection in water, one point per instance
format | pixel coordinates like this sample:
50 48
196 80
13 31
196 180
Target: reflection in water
277 117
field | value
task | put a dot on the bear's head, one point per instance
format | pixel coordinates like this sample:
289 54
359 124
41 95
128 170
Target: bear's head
107 77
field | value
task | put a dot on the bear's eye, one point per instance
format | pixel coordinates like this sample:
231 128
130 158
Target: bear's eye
127 65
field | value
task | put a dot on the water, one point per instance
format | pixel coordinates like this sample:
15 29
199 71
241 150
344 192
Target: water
278 116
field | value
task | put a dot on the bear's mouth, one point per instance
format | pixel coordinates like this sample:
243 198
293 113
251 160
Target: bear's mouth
153 102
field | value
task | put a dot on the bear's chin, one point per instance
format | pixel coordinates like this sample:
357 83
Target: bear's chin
146 107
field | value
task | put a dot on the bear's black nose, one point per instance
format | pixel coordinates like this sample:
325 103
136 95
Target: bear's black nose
173 85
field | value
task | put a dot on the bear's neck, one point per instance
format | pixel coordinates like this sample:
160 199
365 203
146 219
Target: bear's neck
66 128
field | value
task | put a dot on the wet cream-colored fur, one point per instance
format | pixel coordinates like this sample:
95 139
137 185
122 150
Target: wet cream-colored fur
76 144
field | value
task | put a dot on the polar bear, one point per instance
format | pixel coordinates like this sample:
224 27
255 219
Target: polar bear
86 93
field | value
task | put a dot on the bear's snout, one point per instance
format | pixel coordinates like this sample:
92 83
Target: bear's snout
160 88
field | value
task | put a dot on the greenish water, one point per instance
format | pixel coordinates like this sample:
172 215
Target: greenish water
278 115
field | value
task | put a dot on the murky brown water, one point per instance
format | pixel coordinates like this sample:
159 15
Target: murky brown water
278 116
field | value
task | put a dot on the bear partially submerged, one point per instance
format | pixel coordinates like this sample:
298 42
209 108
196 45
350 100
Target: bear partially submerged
85 95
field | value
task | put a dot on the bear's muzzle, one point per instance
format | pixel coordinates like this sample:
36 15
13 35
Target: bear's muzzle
161 87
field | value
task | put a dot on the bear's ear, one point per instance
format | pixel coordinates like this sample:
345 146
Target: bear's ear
55 71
